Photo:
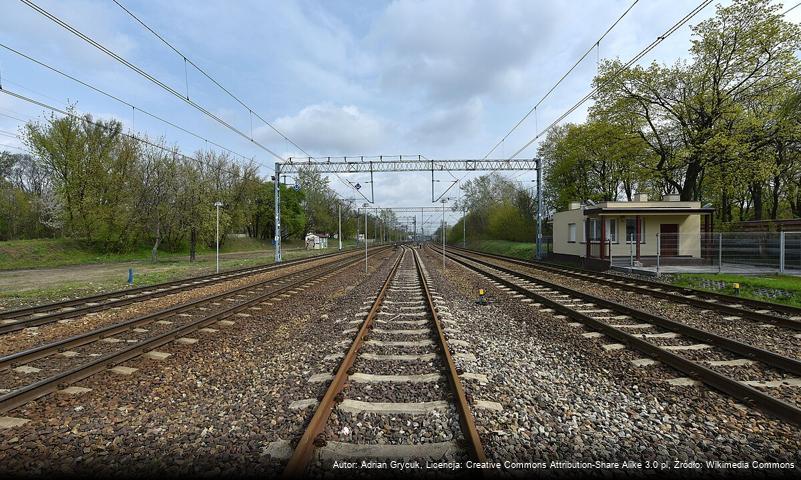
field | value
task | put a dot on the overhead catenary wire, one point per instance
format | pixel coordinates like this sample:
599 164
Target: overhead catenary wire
124 102
251 111
188 60
173 151
594 46
146 75
614 74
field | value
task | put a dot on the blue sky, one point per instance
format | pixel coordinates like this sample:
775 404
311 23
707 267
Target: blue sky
445 79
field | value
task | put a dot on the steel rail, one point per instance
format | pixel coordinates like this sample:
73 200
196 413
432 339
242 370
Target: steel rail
48 385
765 356
304 451
669 292
41 351
714 379
466 418
166 289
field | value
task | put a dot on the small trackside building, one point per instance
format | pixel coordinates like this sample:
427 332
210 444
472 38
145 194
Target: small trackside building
595 233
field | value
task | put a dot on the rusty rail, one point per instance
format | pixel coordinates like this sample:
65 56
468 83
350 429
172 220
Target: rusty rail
304 451
468 422
23 395
312 436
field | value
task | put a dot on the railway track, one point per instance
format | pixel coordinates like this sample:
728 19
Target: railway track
741 370
401 344
14 320
33 373
782 315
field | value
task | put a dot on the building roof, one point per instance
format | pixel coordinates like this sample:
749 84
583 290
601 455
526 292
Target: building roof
598 210
645 208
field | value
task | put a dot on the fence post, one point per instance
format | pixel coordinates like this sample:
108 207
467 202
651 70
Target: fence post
658 252
720 252
610 252
781 251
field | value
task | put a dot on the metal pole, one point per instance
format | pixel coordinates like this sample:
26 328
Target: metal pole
339 213
781 251
539 208
443 235
365 240
218 236
657 254
277 185
720 252
464 228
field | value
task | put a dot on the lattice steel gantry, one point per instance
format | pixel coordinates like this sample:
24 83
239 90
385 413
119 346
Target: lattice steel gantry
403 163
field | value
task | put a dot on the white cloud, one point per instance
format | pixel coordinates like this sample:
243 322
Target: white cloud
328 128
445 126
456 50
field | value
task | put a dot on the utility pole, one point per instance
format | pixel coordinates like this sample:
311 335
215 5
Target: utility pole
464 227
218 205
339 214
443 234
539 208
365 237
277 198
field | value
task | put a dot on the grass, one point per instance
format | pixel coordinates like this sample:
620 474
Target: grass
50 253
748 285
522 250
83 283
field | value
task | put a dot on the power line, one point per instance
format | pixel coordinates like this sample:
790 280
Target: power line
548 93
202 71
635 59
146 75
172 151
791 8
250 110
124 102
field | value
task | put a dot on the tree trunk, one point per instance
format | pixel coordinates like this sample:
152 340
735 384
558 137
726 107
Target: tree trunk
774 207
689 191
193 244
154 253
756 196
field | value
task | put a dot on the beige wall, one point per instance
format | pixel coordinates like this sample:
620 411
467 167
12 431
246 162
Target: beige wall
689 238
560 232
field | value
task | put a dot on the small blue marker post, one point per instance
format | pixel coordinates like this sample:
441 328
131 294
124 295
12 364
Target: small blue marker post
130 276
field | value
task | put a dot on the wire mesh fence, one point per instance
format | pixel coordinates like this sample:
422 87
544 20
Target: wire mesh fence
724 252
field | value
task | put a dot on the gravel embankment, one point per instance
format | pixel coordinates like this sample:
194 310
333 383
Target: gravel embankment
770 337
211 408
34 336
565 398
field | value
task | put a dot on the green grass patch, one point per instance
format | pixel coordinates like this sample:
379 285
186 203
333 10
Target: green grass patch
60 252
522 250
782 289
147 274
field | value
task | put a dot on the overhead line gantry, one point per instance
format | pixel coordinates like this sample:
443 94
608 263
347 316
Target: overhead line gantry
403 163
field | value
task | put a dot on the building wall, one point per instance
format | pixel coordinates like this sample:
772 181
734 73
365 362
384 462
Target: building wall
689 234
560 232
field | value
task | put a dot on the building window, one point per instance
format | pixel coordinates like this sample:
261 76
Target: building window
611 230
631 230
571 232
594 229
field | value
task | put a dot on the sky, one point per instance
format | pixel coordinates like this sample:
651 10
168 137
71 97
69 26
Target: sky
443 79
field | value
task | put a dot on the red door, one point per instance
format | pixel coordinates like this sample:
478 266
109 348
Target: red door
669 239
